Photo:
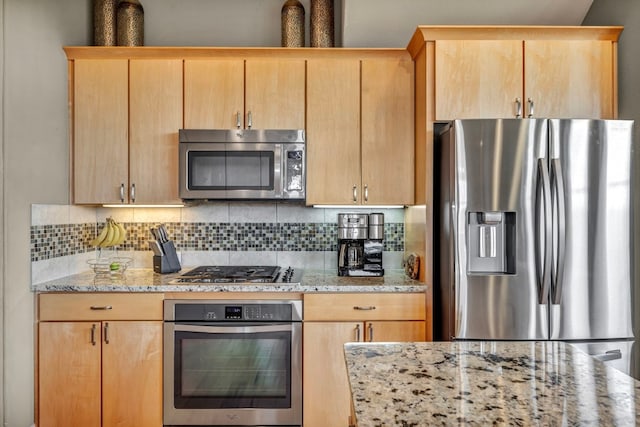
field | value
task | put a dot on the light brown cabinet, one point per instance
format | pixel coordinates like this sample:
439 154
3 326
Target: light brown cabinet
125 119
99 363
331 320
360 130
244 93
523 78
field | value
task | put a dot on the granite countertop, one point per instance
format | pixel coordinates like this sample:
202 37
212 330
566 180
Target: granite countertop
145 280
487 383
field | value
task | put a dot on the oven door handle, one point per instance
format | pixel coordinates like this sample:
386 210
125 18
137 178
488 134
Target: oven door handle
237 329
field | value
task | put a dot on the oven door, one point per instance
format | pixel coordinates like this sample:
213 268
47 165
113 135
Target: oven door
245 374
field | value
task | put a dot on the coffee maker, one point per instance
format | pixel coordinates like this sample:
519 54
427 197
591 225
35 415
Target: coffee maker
360 244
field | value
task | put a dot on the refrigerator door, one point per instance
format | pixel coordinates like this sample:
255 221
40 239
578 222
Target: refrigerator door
593 237
493 181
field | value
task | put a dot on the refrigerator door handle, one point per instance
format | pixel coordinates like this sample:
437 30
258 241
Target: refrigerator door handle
608 355
543 235
559 258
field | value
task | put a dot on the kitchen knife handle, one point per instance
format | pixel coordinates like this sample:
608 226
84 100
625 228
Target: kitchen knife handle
133 193
106 333
355 194
122 192
238 121
558 263
530 102
357 333
518 108
543 239
93 334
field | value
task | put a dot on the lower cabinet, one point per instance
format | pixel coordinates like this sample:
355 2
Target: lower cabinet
331 320
94 369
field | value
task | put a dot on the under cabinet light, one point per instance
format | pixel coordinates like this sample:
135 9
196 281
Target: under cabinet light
359 206
143 206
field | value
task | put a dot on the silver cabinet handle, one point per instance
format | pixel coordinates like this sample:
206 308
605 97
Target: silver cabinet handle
93 334
518 108
133 193
358 333
370 332
355 194
530 102
122 192
101 307
106 333
249 120
364 308
366 193
238 121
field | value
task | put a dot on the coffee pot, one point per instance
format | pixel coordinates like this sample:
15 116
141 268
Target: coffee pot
360 244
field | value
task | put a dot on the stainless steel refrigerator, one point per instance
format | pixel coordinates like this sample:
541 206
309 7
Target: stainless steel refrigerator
535 226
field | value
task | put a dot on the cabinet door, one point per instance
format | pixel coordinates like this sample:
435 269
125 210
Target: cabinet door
213 93
387 131
132 373
570 78
395 331
68 374
100 130
275 93
155 116
333 131
327 397
477 78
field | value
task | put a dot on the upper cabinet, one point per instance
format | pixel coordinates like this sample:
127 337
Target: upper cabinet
251 93
360 130
125 120
523 78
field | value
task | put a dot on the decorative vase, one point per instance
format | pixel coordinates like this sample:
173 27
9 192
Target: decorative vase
321 23
130 23
104 22
292 24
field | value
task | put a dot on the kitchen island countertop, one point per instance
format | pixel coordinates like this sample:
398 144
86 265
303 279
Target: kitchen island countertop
145 280
487 383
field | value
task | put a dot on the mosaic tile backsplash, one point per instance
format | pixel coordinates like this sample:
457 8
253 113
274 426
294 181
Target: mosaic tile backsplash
59 240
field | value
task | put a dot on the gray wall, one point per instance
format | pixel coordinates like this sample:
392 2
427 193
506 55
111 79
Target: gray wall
627 13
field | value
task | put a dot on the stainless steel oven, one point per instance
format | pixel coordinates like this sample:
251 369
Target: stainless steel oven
232 362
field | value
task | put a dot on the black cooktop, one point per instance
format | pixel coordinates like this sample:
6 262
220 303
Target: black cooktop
236 274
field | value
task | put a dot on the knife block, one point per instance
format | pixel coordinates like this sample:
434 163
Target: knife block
168 263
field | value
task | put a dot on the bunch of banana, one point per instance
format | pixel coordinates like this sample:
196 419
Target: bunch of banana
112 234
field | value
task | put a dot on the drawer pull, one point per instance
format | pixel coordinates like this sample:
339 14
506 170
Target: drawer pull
101 307
368 307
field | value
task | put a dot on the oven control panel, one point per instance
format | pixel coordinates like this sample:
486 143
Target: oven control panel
194 311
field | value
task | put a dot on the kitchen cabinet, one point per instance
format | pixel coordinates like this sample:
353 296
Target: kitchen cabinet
244 93
360 130
480 71
99 360
530 78
334 319
126 115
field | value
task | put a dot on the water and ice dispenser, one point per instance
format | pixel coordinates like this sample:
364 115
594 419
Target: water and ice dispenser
491 242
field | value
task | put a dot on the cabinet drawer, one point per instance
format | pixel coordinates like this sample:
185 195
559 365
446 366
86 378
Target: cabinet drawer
104 306
340 306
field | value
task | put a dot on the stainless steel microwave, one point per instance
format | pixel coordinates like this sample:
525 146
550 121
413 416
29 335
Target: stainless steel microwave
246 164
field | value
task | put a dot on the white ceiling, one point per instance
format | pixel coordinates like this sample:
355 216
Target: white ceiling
385 23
